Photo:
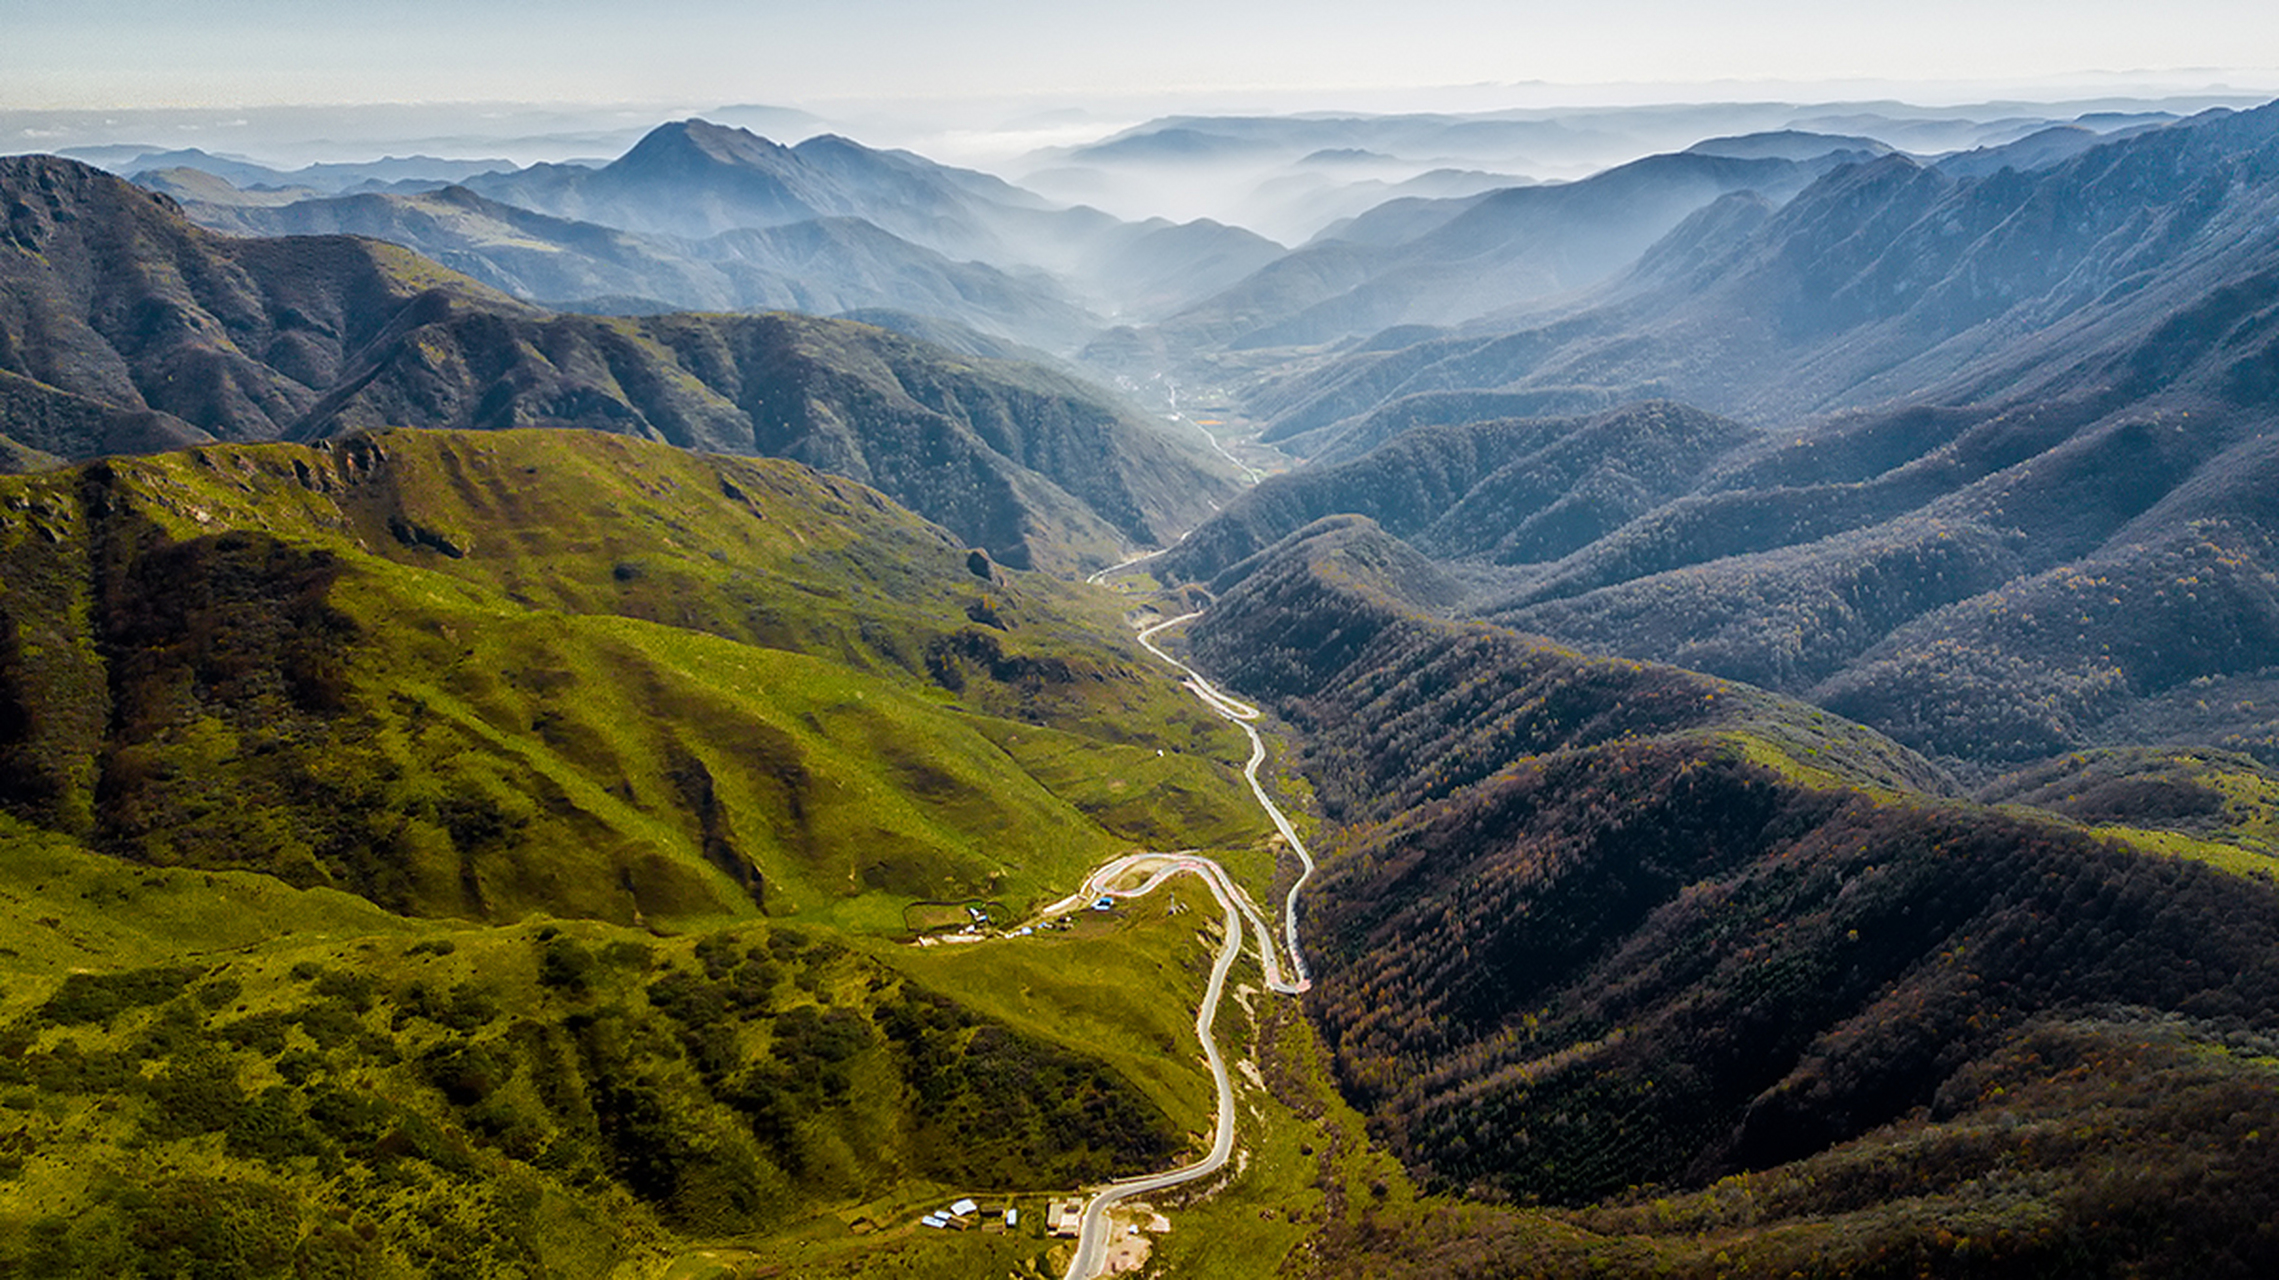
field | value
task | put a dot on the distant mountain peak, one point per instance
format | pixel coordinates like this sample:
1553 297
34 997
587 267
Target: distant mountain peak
832 142
1787 144
1883 173
1349 155
696 137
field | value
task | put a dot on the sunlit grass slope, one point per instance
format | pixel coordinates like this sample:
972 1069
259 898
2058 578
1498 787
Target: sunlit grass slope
486 675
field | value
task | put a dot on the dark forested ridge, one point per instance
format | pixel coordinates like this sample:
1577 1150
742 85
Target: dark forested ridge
2023 584
125 327
1401 707
1018 459
1592 925
1728 971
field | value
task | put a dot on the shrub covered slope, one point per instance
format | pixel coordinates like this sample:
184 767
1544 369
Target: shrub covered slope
1593 925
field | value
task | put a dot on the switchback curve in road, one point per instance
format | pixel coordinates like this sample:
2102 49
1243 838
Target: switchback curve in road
1092 1236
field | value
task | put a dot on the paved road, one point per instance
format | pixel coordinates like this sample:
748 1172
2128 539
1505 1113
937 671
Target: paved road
1092 1242
1251 475
1244 717
1101 575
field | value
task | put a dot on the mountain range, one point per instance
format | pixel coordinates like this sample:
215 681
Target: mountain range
126 327
1744 986
1470 257
2040 529
699 216
417 171
1289 176
892 229
823 266
697 180
1893 279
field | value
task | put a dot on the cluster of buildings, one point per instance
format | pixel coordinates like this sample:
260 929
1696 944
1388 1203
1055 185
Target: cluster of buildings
1062 1217
967 1214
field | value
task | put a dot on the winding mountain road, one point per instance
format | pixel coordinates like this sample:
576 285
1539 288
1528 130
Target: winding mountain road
1157 868
1244 716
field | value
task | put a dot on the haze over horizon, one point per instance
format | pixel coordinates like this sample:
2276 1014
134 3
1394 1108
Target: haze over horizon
125 53
998 134
897 73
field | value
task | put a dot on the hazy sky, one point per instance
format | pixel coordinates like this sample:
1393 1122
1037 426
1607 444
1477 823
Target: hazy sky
153 53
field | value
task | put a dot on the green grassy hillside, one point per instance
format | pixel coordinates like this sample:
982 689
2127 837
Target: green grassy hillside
486 675
493 853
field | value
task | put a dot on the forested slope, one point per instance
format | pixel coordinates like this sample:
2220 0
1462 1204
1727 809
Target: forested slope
210 1074
1990 586
1592 924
